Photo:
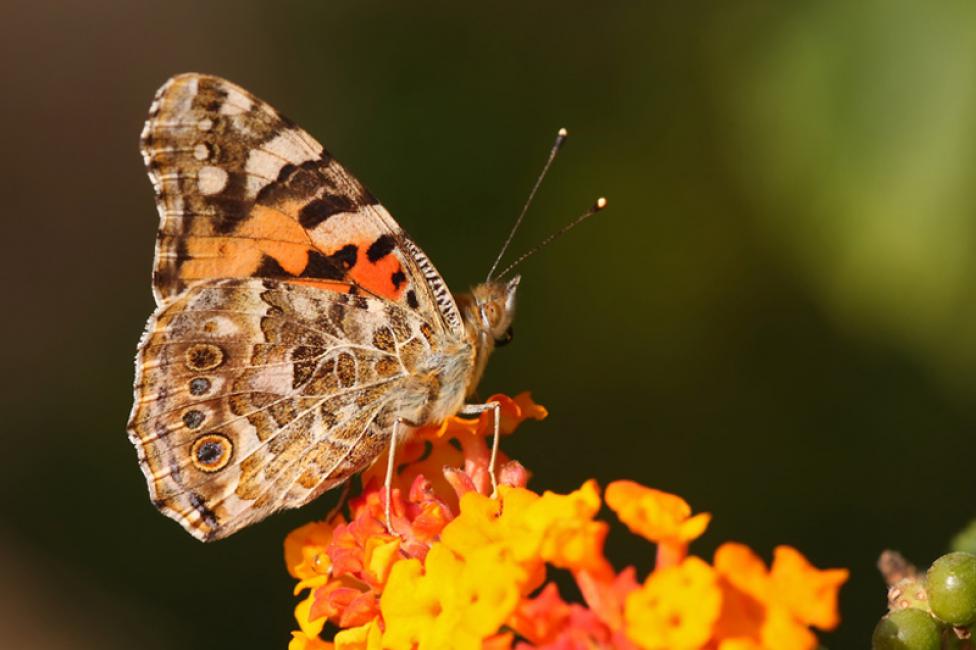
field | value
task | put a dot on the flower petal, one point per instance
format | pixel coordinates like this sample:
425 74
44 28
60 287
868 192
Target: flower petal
540 619
305 547
745 570
808 592
378 556
303 614
301 641
363 637
606 597
655 515
676 608
782 631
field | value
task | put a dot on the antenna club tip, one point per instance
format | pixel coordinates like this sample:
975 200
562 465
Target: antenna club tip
562 133
600 203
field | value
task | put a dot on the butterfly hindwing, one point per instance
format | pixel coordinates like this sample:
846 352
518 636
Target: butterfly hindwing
255 395
243 192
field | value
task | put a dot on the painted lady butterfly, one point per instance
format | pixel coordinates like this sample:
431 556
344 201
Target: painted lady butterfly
297 327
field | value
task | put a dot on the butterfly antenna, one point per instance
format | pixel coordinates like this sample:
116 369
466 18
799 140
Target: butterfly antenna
560 138
599 205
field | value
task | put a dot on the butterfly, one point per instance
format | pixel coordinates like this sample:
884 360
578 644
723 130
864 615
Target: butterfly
298 332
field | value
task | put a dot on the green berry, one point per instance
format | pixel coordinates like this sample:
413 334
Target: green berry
907 629
951 587
965 540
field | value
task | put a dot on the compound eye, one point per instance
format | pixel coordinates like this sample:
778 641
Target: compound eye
490 313
505 338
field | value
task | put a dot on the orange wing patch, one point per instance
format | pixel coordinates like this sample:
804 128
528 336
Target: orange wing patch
266 233
378 270
232 257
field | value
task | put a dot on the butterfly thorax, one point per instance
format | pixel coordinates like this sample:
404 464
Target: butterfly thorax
487 312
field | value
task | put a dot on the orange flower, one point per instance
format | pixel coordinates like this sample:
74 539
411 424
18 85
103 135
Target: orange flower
548 621
781 631
541 619
657 516
809 593
471 434
606 594
461 568
773 609
452 470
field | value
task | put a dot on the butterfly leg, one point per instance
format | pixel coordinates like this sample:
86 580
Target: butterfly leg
496 409
391 470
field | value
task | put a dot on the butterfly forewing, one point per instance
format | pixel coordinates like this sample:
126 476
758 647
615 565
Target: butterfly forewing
243 192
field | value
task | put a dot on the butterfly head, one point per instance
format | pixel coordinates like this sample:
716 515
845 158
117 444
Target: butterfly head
490 311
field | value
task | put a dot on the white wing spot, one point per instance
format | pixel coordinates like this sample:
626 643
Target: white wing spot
205 124
211 180
262 168
200 152
292 147
183 98
265 162
236 102
219 327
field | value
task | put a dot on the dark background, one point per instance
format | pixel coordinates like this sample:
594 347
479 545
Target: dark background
774 318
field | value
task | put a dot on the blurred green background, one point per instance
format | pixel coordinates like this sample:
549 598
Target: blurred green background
774 318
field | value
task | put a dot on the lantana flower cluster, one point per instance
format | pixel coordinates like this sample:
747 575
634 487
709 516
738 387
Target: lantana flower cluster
467 570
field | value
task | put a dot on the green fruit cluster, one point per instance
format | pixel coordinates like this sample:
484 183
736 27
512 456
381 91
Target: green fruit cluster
950 593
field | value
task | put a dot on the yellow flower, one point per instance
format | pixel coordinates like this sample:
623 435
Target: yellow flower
301 641
739 644
676 608
365 637
484 522
379 554
305 550
571 539
532 529
303 610
450 602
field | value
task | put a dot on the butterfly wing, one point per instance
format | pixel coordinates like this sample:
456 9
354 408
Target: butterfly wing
243 192
254 395
291 310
